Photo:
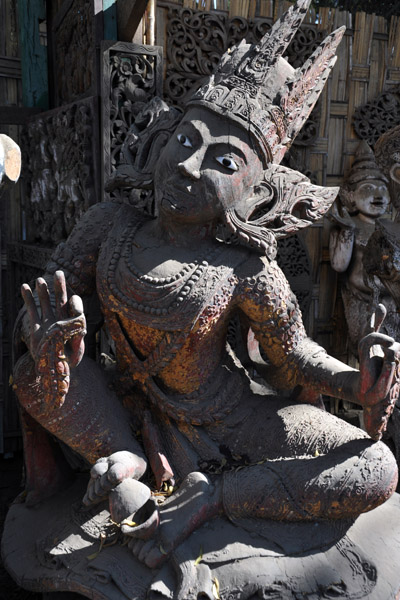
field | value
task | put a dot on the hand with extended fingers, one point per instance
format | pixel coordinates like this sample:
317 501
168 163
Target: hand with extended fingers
379 383
56 337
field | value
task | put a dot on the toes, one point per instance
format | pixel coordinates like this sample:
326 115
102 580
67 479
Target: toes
99 468
145 549
135 545
154 558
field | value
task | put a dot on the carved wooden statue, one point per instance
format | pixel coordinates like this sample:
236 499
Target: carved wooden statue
382 254
267 487
363 198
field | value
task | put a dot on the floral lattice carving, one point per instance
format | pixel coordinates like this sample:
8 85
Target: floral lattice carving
197 40
378 116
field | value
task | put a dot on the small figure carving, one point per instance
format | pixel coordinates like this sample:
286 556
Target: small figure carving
364 197
169 285
382 254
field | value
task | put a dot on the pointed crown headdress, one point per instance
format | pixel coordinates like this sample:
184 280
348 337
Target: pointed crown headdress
364 167
259 90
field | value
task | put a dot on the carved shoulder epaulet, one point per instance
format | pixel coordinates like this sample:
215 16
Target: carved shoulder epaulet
77 257
284 202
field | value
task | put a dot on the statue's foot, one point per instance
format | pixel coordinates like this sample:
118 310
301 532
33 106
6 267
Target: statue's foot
196 501
108 472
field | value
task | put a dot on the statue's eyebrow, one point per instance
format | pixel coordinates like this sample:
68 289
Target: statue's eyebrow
227 139
230 140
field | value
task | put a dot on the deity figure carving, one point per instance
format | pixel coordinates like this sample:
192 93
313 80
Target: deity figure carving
382 253
382 257
363 198
261 473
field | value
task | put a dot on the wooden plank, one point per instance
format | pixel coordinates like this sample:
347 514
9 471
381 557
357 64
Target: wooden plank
16 115
10 67
110 20
129 15
33 54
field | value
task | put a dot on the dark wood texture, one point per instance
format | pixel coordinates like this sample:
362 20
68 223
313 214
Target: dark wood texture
131 76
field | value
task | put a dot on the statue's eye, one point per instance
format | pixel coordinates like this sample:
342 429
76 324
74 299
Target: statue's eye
184 140
228 162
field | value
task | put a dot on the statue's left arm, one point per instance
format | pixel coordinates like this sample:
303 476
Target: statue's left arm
275 318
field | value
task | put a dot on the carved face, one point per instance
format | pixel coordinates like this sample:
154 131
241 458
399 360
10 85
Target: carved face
371 198
209 164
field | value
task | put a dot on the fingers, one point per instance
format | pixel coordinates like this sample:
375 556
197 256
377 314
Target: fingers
106 474
30 305
77 349
75 306
60 290
44 299
382 387
377 318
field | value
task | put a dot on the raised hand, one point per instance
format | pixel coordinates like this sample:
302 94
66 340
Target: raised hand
55 337
379 376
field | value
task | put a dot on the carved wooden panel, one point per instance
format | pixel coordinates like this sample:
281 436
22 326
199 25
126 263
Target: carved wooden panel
61 150
294 260
378 116
74 48
196 41
132 75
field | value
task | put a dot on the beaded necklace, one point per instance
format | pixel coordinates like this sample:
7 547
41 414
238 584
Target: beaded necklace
173 290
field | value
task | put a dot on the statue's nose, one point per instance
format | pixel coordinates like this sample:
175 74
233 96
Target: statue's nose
190 168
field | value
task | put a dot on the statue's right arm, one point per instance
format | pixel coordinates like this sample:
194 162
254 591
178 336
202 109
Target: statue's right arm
341 243
52 325
341 238
77 259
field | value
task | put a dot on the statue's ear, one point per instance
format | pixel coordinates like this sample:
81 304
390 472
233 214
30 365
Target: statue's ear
347 198
395 172
143 145
285 201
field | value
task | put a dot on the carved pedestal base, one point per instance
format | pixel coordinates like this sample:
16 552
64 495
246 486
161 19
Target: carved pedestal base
55 547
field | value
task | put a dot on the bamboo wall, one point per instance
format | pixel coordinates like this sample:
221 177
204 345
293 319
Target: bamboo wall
368 63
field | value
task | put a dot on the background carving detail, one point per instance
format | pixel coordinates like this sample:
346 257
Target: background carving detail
197 40
74 50
59 170
132 76
378 116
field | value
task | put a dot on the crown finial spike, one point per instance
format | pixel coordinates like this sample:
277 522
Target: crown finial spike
275 41
299 96
258 89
